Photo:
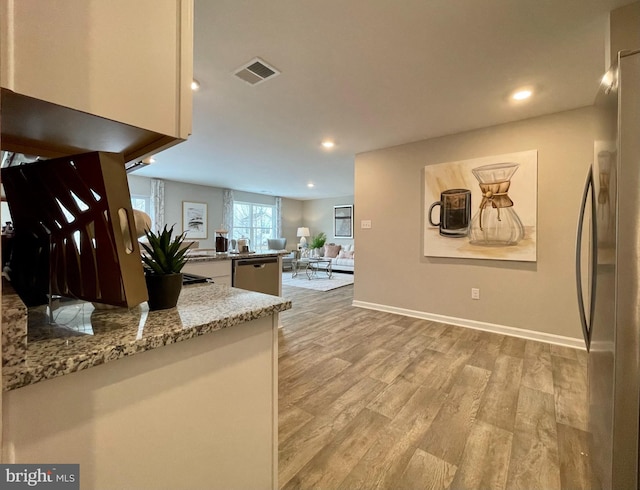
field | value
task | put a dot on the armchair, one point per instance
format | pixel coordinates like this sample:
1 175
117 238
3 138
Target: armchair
281 244
277 243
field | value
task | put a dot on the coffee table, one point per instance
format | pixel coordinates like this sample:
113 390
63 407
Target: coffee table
317 265
297 265
311 266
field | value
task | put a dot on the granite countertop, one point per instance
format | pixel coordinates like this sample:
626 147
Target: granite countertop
206 255
83 337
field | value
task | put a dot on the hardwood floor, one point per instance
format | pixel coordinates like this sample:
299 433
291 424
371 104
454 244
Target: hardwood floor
375 400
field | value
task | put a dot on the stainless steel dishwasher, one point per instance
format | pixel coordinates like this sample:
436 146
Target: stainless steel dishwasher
260 274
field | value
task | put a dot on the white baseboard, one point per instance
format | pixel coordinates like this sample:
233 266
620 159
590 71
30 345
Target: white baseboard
487 327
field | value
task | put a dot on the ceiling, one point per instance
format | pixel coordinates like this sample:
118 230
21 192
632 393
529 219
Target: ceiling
371 74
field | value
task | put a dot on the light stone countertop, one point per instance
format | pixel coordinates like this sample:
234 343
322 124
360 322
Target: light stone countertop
206 255
83 337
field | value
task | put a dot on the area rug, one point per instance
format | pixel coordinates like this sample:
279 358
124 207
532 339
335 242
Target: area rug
321 283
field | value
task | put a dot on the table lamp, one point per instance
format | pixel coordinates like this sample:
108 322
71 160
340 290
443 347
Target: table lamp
303 233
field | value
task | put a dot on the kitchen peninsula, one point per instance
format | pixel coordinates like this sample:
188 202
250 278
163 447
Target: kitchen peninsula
179 398
231 268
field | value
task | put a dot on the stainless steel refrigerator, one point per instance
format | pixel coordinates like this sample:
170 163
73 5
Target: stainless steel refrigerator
609 292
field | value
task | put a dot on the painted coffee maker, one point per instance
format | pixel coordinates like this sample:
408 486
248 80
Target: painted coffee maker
495 223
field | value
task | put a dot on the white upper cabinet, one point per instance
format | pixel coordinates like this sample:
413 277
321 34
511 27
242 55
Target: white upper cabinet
127 61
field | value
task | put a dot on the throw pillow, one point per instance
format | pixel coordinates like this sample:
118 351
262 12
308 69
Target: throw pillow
332 251
346 254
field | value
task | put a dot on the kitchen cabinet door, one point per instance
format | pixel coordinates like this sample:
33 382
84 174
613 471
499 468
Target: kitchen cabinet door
218 270
126 61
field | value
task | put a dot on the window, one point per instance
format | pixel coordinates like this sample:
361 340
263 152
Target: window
253 221
142 203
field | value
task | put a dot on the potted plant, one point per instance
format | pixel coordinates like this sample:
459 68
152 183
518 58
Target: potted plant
317 242
163 261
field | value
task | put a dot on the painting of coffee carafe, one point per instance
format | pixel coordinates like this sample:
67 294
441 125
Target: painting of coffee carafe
483 208
496 221
604 184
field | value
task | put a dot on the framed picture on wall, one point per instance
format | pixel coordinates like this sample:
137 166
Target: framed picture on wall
343 221
482 208
194 219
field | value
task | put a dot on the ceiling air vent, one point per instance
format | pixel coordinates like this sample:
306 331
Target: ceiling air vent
256 71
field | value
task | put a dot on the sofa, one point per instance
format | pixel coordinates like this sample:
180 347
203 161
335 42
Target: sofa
342 256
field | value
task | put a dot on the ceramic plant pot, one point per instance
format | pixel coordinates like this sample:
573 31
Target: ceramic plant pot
164 290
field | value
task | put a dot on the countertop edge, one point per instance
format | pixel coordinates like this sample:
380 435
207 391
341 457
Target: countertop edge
199 256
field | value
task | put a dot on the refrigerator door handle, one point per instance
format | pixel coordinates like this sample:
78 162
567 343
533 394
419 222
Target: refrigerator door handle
587 324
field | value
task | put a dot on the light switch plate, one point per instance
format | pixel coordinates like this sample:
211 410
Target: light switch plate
365 224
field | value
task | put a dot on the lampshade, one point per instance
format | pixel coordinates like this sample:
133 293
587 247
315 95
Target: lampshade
303 231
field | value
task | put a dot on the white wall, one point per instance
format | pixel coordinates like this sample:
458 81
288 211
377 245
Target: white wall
391 270
318 216
624 30
292 218
175 193
139 185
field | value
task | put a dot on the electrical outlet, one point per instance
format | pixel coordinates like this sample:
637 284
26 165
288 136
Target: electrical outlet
475 293
365 224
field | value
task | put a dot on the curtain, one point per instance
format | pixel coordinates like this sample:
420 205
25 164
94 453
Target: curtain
157 204
278 217
227 209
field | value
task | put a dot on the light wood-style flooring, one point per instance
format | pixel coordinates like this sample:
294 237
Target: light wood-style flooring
375 400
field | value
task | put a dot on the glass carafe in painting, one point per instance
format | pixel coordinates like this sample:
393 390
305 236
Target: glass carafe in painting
495 223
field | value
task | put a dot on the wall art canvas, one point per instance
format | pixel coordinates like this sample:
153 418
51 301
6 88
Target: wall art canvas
483 208
343 221
194 219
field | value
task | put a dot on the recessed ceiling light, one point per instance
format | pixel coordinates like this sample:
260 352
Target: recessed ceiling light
310 185
328 144
522 94
195 85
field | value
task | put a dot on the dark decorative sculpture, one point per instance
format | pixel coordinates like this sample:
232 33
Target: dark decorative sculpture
74 231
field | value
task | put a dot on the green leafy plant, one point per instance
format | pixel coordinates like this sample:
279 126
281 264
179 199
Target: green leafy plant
164 255
318 241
